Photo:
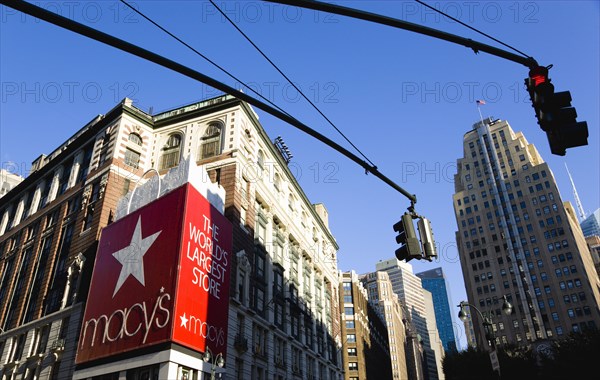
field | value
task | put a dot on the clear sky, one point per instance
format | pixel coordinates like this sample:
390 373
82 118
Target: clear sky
404 99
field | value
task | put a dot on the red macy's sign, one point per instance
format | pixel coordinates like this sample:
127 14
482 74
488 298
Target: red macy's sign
161 274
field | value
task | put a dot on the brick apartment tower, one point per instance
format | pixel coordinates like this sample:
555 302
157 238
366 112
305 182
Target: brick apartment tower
388 305
518 239
365 346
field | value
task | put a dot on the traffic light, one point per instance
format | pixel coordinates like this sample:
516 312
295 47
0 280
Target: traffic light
410 247
567 132
427 242
554 112
541 92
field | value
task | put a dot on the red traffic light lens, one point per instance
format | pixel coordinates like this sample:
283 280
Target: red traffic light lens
538 75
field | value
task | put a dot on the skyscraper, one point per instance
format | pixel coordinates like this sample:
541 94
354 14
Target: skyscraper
435 281
408 287
591 225
517 239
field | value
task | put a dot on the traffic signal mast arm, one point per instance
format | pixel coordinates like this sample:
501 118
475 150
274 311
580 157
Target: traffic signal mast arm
553 110
401 24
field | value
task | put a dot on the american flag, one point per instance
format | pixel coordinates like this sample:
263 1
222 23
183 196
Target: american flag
480 102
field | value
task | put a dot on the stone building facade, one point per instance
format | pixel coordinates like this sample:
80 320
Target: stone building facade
284 300
518 239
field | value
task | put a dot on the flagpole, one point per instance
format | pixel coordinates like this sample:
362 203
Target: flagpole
479 109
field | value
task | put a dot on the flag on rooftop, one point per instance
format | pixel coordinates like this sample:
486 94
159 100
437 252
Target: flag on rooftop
479 102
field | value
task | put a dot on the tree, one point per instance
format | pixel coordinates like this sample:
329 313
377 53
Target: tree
572 357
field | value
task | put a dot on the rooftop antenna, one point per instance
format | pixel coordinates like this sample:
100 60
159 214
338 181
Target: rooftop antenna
577 200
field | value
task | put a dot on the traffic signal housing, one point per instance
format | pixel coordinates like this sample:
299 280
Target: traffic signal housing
554 112
410 247
427 242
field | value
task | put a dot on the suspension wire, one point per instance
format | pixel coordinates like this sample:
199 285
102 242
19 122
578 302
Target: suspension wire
470 27
107 39
290 81
201 55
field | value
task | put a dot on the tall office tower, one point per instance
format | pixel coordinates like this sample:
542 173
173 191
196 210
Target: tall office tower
435 281
517 239
593 243
591 225
434 337
408 287
366 348
386 302
283 305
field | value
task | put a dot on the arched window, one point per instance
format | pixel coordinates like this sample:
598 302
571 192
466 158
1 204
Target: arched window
135 138
261 159
210 142
171 152
277 182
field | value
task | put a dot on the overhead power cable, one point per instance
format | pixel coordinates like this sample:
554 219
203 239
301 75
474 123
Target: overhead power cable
107 39
470 27
289 81
201 55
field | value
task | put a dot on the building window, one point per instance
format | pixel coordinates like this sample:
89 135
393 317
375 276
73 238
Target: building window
280 352
295 324
40 272
132 158
211 141
261 159
296 360
277 182
135 138
260 340
171 152
239 369
260 227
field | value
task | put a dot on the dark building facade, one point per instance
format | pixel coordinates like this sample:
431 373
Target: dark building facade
366 347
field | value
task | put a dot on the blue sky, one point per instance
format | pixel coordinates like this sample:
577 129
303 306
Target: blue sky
404 99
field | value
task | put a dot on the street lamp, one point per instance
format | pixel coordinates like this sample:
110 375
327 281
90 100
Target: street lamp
487 326
215 361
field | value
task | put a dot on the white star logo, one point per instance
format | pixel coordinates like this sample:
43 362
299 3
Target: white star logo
184 320
132 256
